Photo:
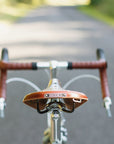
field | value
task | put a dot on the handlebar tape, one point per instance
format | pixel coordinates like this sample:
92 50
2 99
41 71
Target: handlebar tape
17 66
5 65
103 74
104 83
87 65
3 75
90 65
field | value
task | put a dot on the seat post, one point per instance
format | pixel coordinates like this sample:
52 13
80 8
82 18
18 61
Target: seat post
55 127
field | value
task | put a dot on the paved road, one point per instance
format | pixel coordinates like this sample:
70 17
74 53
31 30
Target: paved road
61 33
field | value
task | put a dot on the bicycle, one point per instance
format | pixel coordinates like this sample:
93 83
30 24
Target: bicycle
54 100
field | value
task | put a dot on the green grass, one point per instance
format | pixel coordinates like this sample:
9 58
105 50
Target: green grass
95 13
10 14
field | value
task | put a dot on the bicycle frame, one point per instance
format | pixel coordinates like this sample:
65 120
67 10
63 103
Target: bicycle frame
53 100
57 133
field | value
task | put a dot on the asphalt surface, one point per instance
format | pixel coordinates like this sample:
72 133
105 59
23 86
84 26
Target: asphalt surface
59 33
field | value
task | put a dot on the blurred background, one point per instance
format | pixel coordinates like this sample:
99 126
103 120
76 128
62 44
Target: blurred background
44 30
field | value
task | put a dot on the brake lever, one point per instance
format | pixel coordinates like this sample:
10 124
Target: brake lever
107 105
2 107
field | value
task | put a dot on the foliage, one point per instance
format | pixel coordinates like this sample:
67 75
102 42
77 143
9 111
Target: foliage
13 2
95 2
107 7
104 6
93 12
11 10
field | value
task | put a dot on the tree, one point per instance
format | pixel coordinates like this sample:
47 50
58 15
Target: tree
95 2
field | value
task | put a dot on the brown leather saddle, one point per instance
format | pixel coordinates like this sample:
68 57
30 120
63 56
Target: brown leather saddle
69 100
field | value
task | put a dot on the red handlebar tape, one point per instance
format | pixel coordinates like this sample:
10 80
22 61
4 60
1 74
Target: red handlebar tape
87 65
17 66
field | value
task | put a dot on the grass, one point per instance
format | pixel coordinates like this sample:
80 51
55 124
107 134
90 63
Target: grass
9 14
95 13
